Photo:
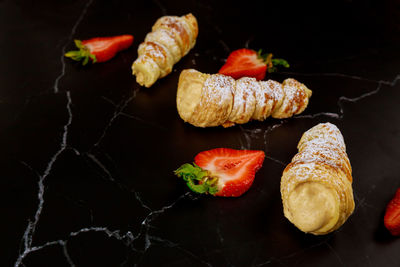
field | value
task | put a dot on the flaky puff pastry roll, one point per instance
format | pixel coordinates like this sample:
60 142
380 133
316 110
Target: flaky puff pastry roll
316 186
206 100
171 38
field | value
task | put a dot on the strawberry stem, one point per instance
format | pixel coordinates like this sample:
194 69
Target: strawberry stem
272 63
197 179
82 54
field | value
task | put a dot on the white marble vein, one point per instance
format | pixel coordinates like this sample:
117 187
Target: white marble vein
320 114
340 102
337 74
148 123
355 99
119 108
276 161
221 240
224 46
127 238
247 139
139 198
271 128
31 227
362 202
358 98
335 253
66 255
101 166
153 215
120 185
69 39
248 41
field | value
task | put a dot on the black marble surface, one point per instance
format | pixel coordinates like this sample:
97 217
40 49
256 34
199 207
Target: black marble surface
87 155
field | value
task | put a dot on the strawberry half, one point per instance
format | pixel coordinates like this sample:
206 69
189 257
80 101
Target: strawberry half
392 215
249 63
99 49
222 171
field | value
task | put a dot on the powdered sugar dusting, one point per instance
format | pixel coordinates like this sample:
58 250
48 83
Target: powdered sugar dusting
154 49
295 99
244 102
267 98
322 158
219 88
293 94
247 99
262 94
325 132
276 88
171 38
159 54
324 143
216 101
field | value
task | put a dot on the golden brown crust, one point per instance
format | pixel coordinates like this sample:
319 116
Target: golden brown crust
166 39
189 92
192 23
216 101
175 25
295 100
171 38
321 159
244 102
159 54
250 99
267 98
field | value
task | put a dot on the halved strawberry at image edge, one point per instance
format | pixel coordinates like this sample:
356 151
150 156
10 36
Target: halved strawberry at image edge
249 63
99 49
222 171
392 215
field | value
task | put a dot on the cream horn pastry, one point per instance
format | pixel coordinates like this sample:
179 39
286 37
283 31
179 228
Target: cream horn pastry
206 100
171 38
316 186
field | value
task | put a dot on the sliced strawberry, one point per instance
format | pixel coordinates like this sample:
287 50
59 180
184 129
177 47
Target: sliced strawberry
100 49
222 171
392 215
244 63
249 63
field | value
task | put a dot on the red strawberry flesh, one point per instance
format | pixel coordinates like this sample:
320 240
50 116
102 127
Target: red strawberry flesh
244 63
105 48
235 169
392 215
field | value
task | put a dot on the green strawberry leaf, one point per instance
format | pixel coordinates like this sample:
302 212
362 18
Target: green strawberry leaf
198 188
93 57
189 171
85 61
79 44
280 62
197 179
72 54
83 54
272 63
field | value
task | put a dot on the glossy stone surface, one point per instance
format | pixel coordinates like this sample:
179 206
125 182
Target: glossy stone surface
87 155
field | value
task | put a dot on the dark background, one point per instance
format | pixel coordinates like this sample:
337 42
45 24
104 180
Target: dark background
87 155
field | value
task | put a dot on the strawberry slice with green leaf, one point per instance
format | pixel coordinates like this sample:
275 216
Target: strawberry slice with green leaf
249 63
222 171
392 215
99 49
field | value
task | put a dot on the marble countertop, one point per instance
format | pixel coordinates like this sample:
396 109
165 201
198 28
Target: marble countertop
87 154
